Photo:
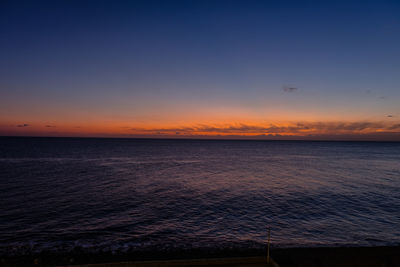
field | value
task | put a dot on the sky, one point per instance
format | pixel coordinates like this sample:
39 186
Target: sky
311 70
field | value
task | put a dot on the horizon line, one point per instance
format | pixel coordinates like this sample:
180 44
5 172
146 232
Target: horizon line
217 138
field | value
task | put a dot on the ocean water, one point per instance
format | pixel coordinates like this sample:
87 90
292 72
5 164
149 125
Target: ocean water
132 194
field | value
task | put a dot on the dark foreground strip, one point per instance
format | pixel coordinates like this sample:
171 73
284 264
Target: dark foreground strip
245 261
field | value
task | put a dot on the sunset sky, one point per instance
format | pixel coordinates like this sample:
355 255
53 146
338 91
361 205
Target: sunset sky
207 69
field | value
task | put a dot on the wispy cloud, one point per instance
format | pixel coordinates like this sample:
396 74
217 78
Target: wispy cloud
289 89
23 125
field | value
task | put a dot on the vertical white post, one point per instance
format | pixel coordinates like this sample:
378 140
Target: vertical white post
269 239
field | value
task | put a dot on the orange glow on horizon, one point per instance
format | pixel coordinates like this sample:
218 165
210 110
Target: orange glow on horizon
215 129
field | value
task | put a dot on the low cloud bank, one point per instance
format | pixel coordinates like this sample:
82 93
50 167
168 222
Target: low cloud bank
300 129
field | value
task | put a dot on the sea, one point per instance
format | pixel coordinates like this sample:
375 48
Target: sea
57 194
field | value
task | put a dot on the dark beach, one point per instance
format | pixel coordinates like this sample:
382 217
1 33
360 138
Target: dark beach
321 256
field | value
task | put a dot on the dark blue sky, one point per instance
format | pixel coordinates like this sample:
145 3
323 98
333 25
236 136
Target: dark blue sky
175 62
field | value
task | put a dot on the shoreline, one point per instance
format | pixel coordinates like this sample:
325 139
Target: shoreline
300 256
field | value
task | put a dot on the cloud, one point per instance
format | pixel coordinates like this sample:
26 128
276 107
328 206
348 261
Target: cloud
289 89
390 116
395 127
50 126
299 128
23 125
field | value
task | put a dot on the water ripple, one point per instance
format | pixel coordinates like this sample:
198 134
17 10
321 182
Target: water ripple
106 194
